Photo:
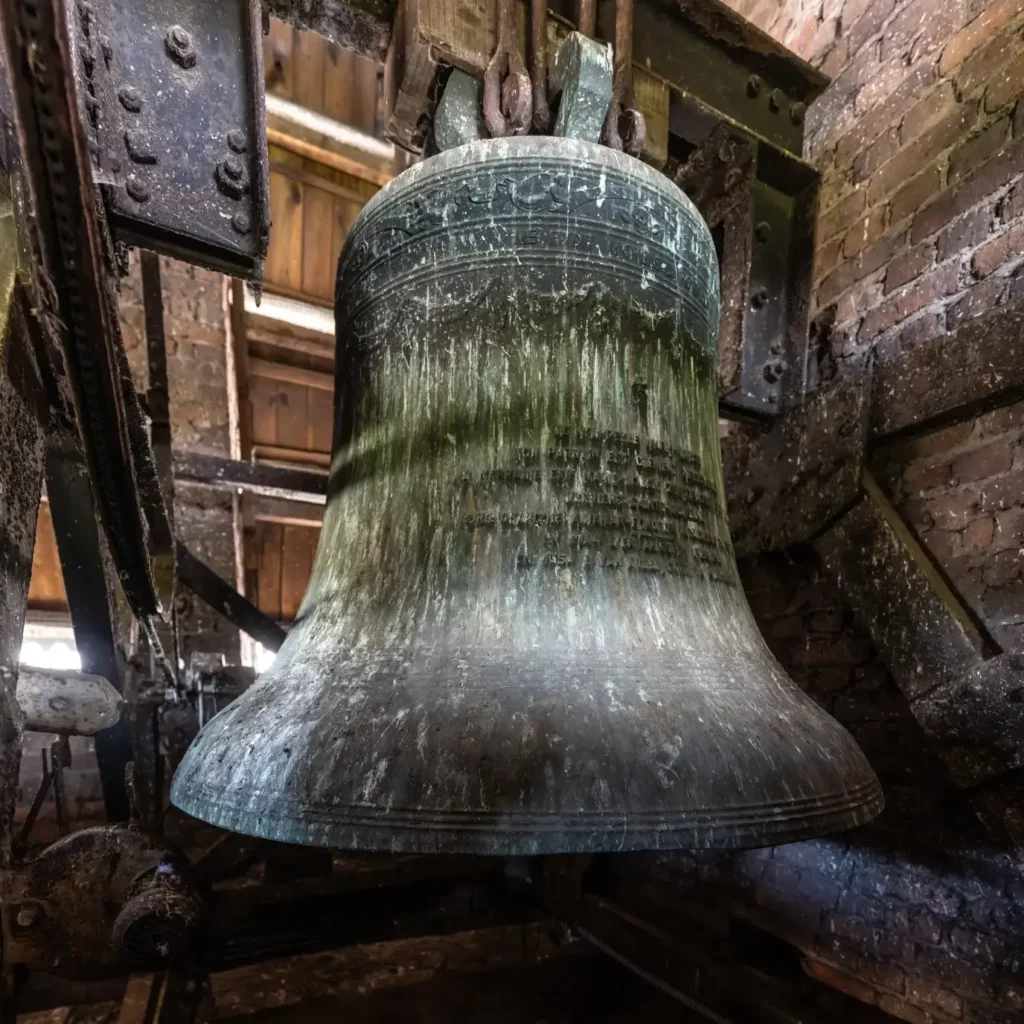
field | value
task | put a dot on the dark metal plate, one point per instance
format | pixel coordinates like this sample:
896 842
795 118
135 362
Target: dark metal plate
181 132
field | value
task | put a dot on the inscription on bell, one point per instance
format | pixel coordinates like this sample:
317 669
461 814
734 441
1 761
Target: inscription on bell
618 502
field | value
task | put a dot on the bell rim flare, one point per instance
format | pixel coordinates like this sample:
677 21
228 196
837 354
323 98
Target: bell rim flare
525 631
518 834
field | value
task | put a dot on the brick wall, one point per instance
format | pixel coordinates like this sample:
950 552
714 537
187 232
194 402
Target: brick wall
920 140
962 489
196 370
917 913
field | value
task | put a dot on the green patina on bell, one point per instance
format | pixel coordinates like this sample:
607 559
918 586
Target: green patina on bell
524 632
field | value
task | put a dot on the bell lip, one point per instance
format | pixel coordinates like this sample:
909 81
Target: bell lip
518 834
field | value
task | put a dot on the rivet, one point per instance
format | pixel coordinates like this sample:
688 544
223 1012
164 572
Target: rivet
27 917
763 231
733 178
797 112
180 46
776 100
59 703
236 140
139 151
754 86
241 223
137 190
759 298
130 99
727 151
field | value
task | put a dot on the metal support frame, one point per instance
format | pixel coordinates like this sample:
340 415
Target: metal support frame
233 475
178 127
74 268
88 581
224 599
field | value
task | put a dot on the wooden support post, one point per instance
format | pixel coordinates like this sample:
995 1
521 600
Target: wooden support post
962 690
952 378
786 484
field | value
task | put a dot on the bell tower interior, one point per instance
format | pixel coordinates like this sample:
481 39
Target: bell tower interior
512 511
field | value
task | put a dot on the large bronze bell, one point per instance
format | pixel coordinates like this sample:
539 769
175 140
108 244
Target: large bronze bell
524 632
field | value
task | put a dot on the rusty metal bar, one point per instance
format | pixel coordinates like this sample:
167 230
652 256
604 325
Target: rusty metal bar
624 127
508 103
586 17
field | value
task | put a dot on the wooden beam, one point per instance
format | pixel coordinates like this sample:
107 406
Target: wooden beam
786 483
915 619
284 309
142 995
23 414
280 454
298 173
295 115
239 409
952 378
328 158
287 513
232 474
237 352
290 343
716 986
961 690
291 374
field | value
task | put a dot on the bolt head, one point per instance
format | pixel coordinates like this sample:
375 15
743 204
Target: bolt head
180 46
776 100
732 178
130 99
236 141
233 167
27 916
797 113
755 83
241 223
137 190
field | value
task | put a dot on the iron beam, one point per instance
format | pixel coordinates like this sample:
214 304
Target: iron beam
88 582
223 598
233 474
